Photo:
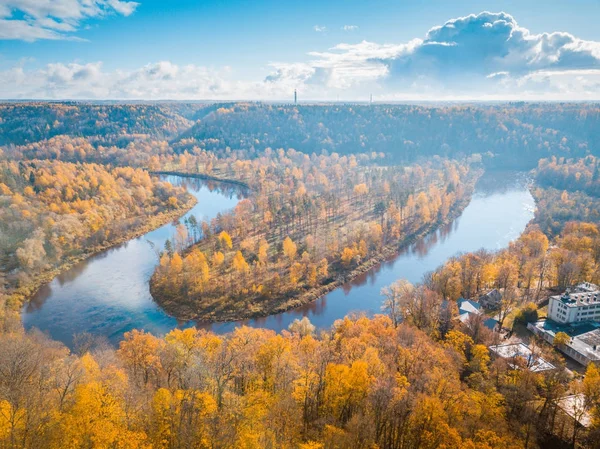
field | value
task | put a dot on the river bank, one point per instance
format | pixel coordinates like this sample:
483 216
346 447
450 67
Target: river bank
202 176
183 308
25 292
108 294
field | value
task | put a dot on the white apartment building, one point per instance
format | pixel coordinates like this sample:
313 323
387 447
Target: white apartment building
575 307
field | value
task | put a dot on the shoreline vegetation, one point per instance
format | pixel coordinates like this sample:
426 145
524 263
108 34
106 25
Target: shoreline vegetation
31 289
334 243
177 309
201 176
56 214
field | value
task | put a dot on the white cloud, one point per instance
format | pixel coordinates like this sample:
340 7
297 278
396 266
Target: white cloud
31 20
497 74
350 28
343 66
473 56
320 28
485 56
161 80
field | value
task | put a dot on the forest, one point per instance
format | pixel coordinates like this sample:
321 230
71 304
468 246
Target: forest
567 189
513 135
329 189
103 123
365 383
308 223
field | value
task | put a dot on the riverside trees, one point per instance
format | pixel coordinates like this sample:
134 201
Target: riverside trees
51 211
365 381
372 383
309 220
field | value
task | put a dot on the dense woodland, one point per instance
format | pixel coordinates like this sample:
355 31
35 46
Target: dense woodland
366 383
104 123
567 189
570 174
77 177
514 135
53 212
308 222
506 135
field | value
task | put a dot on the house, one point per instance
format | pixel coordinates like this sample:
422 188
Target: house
491 300
468 307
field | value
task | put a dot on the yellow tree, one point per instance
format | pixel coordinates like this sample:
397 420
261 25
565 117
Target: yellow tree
289 249
345 388
263 251
225 240
217 259
347 256
139 350
239 264
296 271
323 268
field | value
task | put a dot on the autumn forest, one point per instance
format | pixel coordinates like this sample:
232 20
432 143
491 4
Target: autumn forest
325 193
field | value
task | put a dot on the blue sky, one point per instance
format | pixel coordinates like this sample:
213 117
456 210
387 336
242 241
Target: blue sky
263 49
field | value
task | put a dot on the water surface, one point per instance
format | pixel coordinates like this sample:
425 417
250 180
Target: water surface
108 294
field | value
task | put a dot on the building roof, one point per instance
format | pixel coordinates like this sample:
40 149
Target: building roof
491 323
521 351
578 299
575 406
467 306
493 295
586 287
585 336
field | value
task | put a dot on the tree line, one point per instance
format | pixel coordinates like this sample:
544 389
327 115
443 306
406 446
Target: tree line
308 222
505 135
52 211
364 383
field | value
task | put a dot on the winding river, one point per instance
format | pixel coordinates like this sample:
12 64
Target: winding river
108 294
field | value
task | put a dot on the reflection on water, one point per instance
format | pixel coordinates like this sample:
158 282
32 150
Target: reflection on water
499 211
108 294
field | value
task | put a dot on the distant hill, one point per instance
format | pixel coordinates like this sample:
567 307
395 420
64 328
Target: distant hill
504 135
111 123
510 134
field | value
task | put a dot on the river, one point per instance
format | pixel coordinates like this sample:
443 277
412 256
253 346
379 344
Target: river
108 294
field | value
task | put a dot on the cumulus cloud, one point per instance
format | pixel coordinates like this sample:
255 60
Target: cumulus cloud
320 28
476 55
491 43
31 20
343 66
481 56
350 28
